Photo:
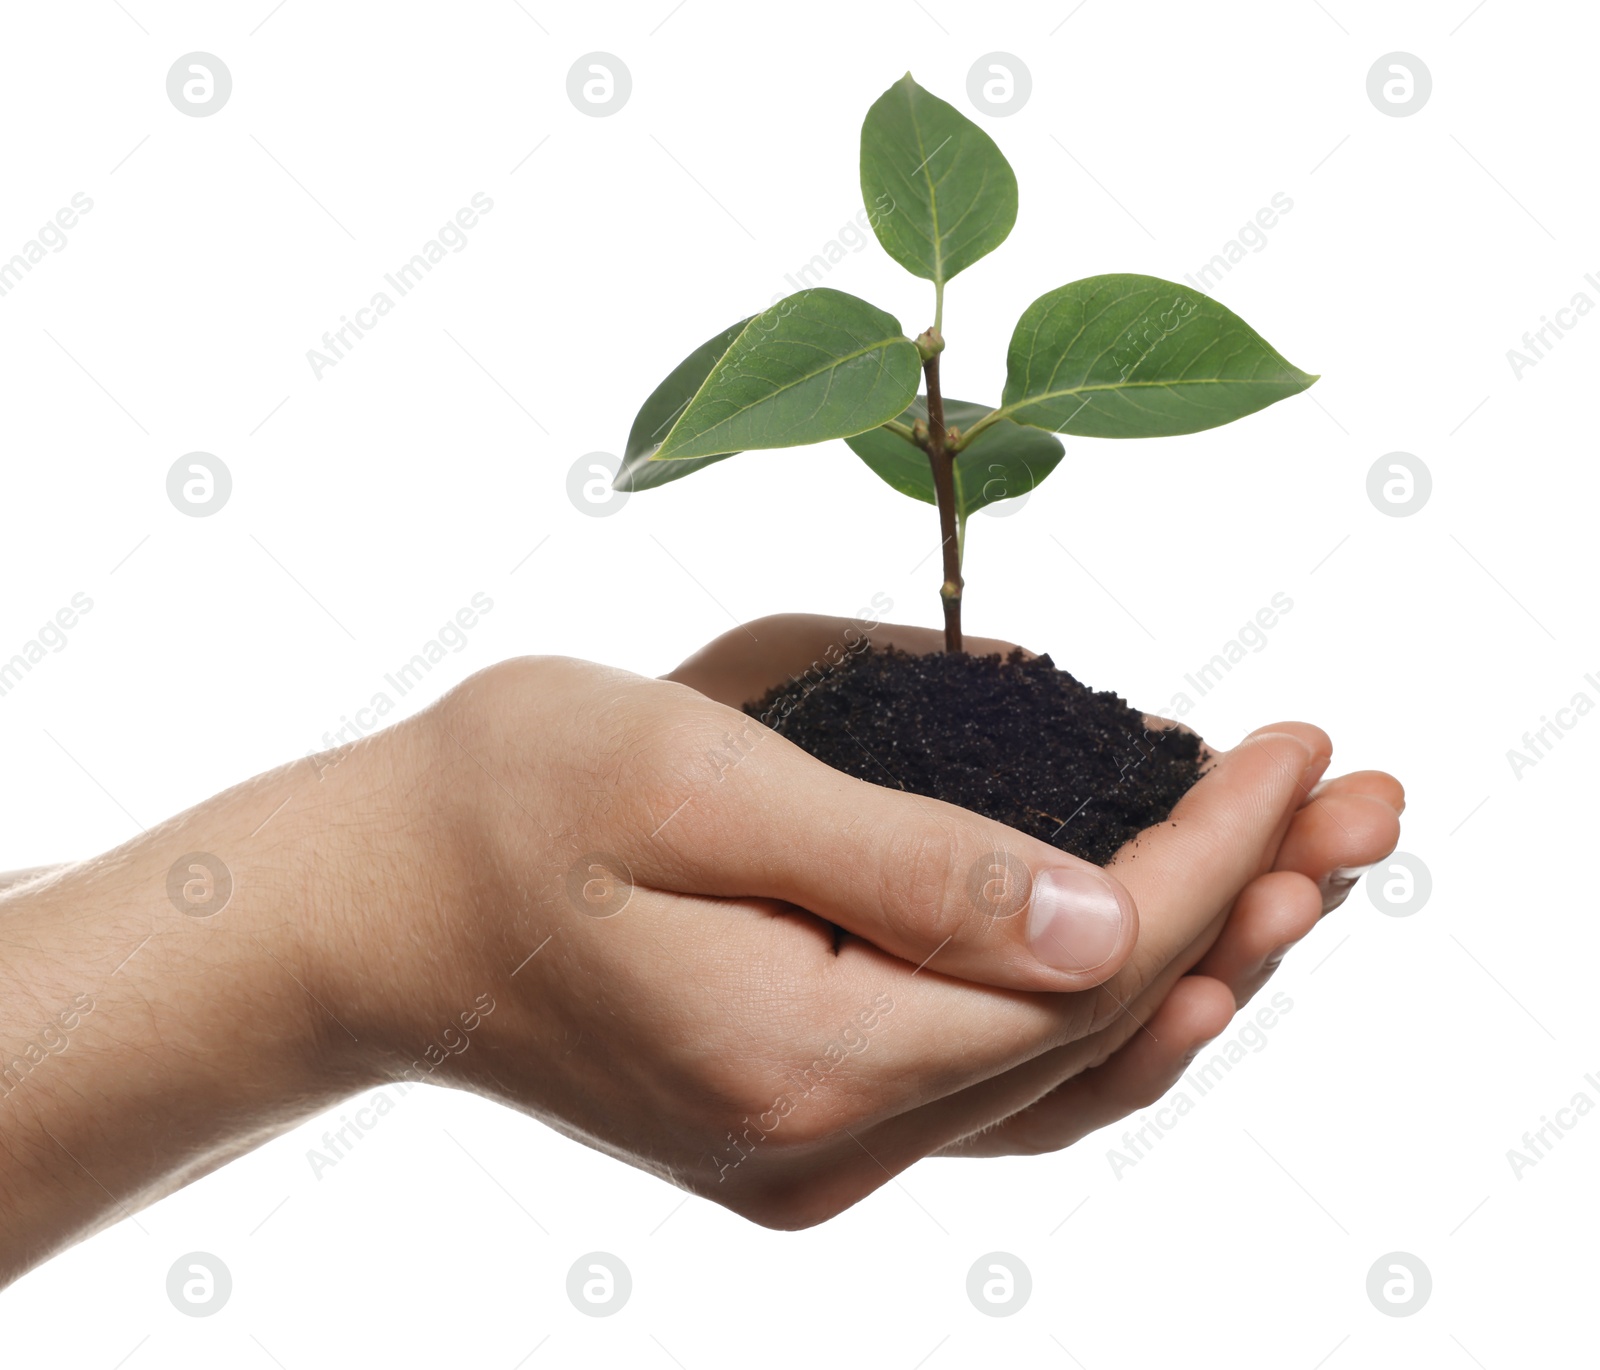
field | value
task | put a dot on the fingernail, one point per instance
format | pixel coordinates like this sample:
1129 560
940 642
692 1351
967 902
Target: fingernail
1337 884
1275 958
1075 919
1314 771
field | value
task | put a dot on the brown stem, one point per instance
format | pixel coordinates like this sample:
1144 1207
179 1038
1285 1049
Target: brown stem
944 488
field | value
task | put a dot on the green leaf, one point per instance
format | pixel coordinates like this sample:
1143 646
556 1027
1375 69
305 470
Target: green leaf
658 413
1138 357
939 193
1003 461
819 364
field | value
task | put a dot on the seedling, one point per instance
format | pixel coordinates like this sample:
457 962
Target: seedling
1120 356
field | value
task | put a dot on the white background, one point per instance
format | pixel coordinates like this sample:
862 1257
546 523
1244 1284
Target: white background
372 503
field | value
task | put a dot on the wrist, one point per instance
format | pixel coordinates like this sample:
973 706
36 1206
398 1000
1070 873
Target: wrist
172 1003
398 867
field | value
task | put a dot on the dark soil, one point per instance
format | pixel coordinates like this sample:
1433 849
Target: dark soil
1017 740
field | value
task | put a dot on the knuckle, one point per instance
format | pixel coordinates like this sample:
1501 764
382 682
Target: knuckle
793 1202
1109 1015
810 1124
782 1107
739 1088
1036 1131
919 886
1076 1017
813 1107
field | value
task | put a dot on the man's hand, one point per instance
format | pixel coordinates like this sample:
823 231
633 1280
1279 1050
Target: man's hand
737 847
604 900
1339 827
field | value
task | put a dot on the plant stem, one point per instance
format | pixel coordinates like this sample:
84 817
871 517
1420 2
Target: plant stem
986 421
944 488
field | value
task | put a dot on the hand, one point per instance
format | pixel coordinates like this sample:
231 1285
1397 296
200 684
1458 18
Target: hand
732 867
428 903
1339 827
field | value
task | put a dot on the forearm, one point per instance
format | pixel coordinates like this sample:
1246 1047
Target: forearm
148 1031
10 880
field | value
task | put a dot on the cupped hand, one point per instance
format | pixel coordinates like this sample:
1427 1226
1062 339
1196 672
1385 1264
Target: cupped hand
642 880
1335 829
611 901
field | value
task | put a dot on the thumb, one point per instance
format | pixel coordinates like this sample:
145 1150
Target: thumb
934 884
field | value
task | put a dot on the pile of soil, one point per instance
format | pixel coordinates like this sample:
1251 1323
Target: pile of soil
1016 740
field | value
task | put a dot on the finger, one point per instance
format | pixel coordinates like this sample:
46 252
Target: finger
1272 913
1321 748
745 662
928 882
977 1121
1223 835
1196 1012
921 641
1317 742
1190 871
1335 838
1185 873
1379 784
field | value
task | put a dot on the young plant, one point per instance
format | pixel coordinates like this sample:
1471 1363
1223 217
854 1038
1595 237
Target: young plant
1120 356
